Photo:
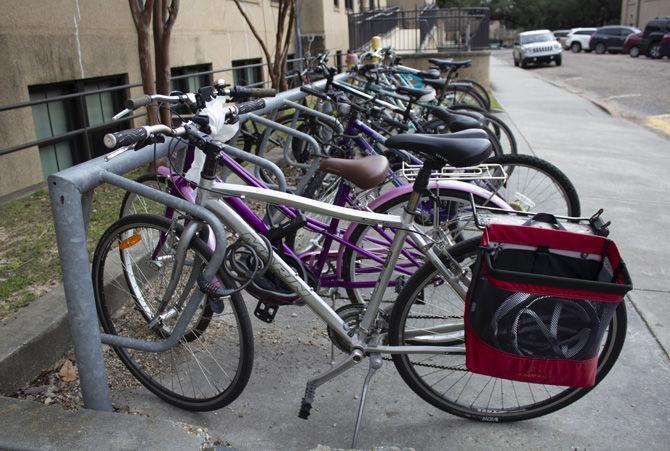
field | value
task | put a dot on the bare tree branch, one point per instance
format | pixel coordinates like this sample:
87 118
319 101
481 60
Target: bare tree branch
260 40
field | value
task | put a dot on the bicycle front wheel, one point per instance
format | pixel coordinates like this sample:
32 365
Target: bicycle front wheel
427 302
132 268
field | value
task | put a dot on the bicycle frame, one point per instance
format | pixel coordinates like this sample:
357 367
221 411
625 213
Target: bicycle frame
316 261
403 224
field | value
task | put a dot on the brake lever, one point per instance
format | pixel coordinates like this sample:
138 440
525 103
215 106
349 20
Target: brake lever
123 113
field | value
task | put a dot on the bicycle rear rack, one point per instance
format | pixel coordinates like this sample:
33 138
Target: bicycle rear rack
480 172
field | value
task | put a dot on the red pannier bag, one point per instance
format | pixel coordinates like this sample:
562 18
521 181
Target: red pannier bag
540 302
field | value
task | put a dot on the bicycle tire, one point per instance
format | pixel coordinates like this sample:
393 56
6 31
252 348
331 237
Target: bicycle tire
459 94
118 314
496 124
479 88
433 393
567 205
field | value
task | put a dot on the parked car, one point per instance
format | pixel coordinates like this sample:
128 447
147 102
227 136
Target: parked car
561 35
578 39
665 45
610 38
650 44
631 45
537 46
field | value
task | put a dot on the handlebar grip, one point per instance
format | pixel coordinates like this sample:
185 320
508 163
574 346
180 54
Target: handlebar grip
125 137
138 102
314 92
253 92
248 107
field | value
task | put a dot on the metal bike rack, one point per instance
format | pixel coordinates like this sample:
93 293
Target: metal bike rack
71 193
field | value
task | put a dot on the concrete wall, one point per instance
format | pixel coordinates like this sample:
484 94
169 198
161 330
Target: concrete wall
647 9
61 40
478 71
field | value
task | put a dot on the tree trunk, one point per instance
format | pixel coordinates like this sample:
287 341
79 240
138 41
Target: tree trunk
142 18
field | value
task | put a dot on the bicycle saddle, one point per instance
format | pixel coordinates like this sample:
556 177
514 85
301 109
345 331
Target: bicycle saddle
438 83
450 64
466 134
458 122
365 173
429 73
413 92
456 152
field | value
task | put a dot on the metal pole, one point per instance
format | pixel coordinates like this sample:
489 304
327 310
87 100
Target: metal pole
298 35
69 220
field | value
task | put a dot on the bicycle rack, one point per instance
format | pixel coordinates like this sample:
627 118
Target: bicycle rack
71 193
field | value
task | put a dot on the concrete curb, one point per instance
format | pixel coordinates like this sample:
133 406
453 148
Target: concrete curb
31 425
33 340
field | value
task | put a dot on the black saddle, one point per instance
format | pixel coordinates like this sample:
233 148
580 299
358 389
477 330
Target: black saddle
458 122
437 83
430 73
453 151
466 134
413 92
450 64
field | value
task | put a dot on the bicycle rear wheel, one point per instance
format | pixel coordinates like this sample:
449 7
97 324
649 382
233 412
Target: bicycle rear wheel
533 184
132 267
443 380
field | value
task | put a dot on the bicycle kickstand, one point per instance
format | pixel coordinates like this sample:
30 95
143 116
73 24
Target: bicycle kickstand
310 390
375 363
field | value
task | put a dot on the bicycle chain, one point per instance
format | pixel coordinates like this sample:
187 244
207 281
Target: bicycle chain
432 365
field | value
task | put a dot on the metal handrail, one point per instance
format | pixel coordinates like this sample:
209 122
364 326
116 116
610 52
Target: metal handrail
78 95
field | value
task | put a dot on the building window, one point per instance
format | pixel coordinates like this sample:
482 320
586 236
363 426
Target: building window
190 78
336 4
248 72
91 112
52 119
349 5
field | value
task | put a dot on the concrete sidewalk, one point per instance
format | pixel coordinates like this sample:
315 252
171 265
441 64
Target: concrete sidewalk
615 164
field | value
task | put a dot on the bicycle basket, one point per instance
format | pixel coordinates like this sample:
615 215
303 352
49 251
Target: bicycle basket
540 302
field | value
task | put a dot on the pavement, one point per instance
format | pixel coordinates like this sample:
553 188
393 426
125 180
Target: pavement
635 88
615 164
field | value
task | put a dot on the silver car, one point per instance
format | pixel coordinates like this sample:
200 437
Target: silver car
536 47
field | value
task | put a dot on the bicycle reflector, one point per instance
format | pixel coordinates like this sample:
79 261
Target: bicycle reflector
130 241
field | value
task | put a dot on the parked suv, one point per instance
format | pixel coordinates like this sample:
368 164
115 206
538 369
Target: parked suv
537 46
610 38
579 39
650 44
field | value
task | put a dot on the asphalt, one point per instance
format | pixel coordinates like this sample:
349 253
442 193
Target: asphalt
616 165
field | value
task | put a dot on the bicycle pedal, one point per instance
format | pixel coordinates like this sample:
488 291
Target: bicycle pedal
265 312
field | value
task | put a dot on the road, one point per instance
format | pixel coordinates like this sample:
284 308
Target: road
636 88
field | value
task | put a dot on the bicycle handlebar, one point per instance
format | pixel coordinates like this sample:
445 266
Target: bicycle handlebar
243 91
137 135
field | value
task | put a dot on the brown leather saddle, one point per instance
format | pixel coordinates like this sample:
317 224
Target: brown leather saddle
365 173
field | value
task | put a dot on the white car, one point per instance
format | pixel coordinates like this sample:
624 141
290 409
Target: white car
538 46
578 39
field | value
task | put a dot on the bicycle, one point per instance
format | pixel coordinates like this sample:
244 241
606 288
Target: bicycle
252 255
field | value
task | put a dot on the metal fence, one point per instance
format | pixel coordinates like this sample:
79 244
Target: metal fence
124 90
429 29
